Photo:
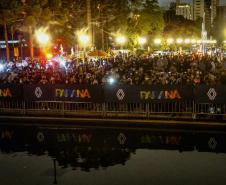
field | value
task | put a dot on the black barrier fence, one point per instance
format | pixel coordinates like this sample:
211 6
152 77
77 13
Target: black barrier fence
118 94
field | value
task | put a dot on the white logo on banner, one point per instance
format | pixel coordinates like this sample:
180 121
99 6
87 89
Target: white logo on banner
38 92
121 139
40 137
120 94
212 143
212 94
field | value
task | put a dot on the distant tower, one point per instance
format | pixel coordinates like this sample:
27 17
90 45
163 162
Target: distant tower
203 35
214 5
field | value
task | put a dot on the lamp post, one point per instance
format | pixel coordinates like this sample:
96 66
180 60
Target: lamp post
121 41
43 39
179 42
83 40
142 41
170 42
158 41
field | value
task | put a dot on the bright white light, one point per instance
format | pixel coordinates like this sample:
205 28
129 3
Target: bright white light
1 67
142 40
169 41
187 41
111 80
212 41
60 60
157 41
193 41
42 37
121 39
179 41
24 63
83 39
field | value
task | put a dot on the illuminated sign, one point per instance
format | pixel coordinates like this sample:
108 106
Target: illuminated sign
72 93
159 95
5 92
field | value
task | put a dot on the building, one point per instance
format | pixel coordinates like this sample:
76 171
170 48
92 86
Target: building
198 9
185 10
221 14
220 23
169 15
209 7
214 5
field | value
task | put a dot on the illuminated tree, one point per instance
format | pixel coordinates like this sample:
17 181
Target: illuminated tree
9 12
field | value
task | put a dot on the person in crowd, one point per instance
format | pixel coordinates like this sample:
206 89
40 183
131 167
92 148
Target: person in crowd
131 70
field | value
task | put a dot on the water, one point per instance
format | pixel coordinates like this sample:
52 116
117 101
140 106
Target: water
32 155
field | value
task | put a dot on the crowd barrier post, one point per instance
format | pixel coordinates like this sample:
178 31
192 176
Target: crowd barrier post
147 110
193 110
63 110
24 107
104 110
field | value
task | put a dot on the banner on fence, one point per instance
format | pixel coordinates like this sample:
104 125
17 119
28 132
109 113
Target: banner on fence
112 93
78 93
38 92
8 91
210 94
147 93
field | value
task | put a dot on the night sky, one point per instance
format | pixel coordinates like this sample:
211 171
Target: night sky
166 2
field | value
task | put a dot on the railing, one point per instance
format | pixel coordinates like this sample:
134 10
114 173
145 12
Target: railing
185 109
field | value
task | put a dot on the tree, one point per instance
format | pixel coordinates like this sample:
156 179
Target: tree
62 18
181 27
131 17
9 12
47 14
146 19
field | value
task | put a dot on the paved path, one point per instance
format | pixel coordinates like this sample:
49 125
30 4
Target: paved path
42 121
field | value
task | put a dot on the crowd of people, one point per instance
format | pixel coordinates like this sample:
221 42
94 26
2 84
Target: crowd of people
131 70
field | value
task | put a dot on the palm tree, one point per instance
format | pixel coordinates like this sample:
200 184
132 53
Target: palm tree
45 14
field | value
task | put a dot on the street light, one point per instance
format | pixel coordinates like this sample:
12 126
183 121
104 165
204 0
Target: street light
120 40
142 40
170 41
193 41
179 41
84 39
157 41
42 37
187 41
